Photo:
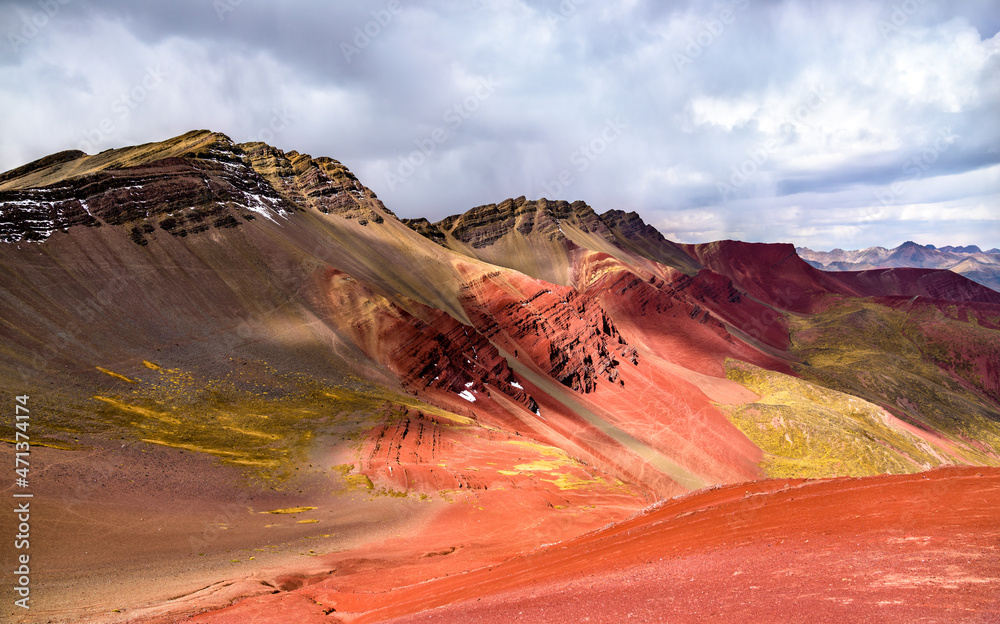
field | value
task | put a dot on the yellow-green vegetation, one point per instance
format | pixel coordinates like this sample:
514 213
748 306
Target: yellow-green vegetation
920 365
809 431
358 482
559 465
354 481
261 420
389 492
289 510
115 375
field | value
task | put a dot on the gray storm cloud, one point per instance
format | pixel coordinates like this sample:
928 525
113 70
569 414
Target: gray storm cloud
819 123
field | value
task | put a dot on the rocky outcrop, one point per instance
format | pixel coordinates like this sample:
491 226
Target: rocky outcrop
433 352
323 184
632 233
204 181
425 228
208 187
484 225
564 332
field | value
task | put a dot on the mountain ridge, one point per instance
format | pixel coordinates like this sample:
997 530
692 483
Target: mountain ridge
520 374
969 261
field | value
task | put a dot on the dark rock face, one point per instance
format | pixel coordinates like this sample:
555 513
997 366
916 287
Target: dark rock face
484 225
426 229
426 350
205 189
322 183
564 332
215 184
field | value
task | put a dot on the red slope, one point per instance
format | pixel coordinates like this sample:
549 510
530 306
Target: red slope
776 275
891 548
932 283
880 549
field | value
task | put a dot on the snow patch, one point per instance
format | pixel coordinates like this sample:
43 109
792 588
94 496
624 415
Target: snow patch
465 394
261 205
517 385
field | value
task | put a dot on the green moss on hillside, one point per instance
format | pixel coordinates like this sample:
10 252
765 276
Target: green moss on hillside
806 430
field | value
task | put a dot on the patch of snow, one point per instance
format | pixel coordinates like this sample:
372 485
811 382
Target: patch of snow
261 205
465 394
517 385
470 384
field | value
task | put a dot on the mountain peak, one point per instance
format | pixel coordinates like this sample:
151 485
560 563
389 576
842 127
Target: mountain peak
181 186
969 261
484 225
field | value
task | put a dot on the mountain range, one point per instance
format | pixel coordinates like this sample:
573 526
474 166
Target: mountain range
972 262
258 395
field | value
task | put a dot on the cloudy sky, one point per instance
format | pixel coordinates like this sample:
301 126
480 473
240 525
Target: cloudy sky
824 124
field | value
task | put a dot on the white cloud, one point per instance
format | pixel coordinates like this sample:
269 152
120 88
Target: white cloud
749 95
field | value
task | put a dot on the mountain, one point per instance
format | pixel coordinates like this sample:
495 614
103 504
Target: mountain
257 394
970 261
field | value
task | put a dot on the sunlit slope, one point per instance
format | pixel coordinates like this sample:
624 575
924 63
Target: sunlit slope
810 431
936 373
548 239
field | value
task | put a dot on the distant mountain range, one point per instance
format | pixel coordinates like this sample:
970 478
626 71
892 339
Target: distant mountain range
971 261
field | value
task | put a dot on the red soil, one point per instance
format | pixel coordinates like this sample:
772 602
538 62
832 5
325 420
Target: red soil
919 548
776 275
907 282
